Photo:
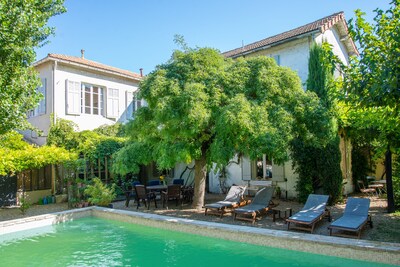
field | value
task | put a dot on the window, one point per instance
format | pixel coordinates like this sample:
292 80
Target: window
277 59
129 105
73 98
92 99
41 108
36 179
133 103
137 103
261 168
112 103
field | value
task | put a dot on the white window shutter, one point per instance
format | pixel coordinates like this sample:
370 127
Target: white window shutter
112 103
73 97
129 105
246 169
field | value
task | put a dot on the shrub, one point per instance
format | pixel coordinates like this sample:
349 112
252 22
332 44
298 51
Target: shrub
99 193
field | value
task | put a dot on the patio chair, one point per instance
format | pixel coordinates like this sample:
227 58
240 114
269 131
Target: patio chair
143 196
130 192
173 193
259 205
233 199
369 192
354 218
153 182
313 211
178 181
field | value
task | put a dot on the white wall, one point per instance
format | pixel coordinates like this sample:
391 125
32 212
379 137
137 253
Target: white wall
42 122
88 121
56 84
293 54
332 36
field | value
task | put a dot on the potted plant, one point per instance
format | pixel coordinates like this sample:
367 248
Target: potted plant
100 194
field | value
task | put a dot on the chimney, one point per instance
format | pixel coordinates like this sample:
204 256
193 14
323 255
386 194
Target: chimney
141 72
82 53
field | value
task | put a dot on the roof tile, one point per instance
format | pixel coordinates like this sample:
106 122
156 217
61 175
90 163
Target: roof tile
93 64
322 25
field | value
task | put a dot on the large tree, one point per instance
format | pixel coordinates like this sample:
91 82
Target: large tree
319 167
205 108
372 81
22 29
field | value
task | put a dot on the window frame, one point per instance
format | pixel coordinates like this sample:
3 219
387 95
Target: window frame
91 107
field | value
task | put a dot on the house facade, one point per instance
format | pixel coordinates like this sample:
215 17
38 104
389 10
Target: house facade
290 49
86 92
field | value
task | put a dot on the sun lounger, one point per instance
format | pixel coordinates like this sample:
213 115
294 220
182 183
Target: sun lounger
313 211
354 218
233 199
260 204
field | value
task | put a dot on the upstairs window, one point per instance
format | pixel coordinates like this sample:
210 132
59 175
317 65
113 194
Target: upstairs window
137 103
277 59
129 105
92 99
133 103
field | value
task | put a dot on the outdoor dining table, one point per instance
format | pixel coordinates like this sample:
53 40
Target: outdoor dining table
379 185
158 188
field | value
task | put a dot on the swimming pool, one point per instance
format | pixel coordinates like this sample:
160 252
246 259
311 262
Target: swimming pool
93 241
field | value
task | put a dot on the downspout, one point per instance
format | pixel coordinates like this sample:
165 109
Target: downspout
54 91
53 169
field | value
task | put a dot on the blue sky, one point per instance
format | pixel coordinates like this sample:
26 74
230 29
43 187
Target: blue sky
133 34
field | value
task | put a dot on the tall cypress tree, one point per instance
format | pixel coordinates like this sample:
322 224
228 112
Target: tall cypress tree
319 167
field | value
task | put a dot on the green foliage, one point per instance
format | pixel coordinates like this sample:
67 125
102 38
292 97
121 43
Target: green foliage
318 167
114 130
16 156
12 140
95 144
320 72
24 204
205 108
62 134
99 193
22 29
359 164
372 80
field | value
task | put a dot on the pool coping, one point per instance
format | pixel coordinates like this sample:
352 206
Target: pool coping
374 251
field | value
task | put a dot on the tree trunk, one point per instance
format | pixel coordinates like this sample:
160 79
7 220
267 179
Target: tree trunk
200 173
389 183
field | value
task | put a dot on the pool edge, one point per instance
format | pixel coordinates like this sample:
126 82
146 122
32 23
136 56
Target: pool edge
373 251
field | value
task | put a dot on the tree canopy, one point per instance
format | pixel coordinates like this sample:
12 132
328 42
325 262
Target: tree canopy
319 167
372 82
205 108
22 28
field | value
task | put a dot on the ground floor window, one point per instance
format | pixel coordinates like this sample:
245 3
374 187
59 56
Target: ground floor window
261 168
35 179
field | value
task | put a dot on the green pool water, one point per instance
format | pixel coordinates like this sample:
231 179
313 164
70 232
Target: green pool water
97 242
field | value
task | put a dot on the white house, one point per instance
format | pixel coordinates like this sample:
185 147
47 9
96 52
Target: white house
86 92
290 49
